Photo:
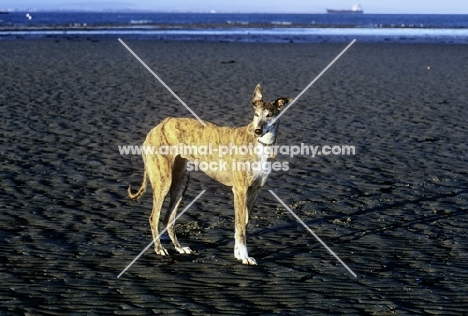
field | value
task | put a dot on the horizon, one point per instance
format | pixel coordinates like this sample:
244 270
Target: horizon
241 6
130 10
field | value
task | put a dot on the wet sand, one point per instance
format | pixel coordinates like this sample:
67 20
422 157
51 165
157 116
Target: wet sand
396 212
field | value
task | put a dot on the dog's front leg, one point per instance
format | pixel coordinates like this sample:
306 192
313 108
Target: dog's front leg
241 218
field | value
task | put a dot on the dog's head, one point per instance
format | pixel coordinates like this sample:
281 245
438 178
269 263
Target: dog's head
266 112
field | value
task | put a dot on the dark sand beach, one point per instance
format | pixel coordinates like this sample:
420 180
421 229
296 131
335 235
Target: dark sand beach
396 212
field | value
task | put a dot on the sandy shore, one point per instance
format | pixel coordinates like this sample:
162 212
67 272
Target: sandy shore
396 212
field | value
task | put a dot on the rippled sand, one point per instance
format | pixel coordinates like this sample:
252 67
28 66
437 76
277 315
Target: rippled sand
396 212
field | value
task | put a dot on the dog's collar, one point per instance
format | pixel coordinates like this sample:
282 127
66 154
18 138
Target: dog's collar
266 145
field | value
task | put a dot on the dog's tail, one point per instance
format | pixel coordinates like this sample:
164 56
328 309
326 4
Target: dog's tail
140 192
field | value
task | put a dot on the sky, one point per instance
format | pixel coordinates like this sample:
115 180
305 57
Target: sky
247 6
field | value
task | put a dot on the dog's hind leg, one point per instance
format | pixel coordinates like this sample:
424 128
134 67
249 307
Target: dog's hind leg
180 180
159 173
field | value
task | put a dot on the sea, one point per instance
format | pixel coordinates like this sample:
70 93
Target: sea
233 27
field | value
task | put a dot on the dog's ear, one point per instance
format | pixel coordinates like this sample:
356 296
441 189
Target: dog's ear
257 96
280 102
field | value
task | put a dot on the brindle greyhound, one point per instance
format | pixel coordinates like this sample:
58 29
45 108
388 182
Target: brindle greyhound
169 173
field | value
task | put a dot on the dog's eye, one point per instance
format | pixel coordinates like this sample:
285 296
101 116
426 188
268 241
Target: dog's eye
256 114
268 115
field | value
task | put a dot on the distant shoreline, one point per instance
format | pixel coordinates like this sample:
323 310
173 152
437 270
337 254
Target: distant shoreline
244 34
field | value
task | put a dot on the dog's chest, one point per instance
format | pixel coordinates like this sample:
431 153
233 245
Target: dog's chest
260 174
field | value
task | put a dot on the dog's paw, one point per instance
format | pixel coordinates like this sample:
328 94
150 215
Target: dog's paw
249 261
184 250
240 252
162 251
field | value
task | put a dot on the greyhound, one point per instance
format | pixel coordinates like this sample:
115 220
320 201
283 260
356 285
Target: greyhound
169 172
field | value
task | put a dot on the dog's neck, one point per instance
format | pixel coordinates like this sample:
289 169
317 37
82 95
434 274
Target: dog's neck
269 137
267 140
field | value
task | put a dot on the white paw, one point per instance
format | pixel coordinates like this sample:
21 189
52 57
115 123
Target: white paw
240 252
162 251
185 250
250 261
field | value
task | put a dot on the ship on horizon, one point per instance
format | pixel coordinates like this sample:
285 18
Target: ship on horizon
356 9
